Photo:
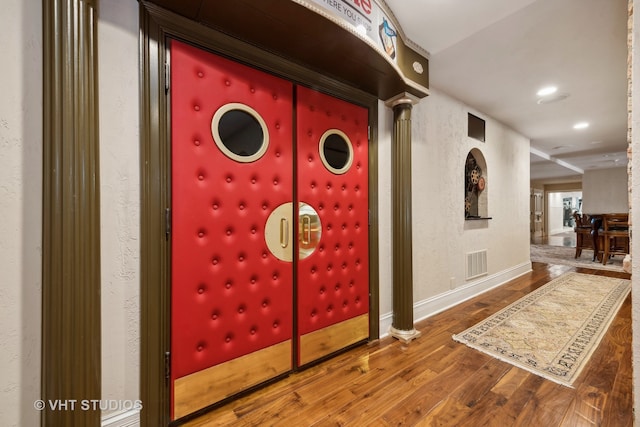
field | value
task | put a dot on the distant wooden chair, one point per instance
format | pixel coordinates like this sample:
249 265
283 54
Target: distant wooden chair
615 235
583 233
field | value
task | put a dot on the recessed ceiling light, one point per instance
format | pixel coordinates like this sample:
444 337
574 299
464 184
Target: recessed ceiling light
545 91
581 125
554 97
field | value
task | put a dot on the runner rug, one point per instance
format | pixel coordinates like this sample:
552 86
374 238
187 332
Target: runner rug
552 331
564 255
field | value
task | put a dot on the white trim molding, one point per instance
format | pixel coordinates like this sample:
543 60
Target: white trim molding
434 305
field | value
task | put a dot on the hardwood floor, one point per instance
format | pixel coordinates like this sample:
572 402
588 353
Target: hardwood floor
567 238
434 381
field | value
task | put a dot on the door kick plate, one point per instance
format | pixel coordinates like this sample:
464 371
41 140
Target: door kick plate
279 233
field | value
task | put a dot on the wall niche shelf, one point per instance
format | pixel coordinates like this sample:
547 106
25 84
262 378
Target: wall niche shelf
475 186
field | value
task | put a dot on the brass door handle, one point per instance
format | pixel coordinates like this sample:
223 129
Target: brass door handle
278 232
284 232
309 230
306 229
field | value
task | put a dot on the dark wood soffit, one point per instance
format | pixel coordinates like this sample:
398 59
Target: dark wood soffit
292 31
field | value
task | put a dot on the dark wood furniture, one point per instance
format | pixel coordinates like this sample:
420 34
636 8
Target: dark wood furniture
615 235
596 238
614 241
583 233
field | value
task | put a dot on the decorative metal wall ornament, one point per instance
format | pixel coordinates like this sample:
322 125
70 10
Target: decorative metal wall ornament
474 184
481 183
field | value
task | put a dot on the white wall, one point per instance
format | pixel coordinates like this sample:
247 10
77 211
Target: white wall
442 237
120 202
20 210
554 214
385 232
605 191
21 205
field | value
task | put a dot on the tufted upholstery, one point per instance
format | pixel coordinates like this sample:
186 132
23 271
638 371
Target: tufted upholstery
333 283
230 297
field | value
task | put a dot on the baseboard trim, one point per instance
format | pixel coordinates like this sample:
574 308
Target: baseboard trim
430 306
129 418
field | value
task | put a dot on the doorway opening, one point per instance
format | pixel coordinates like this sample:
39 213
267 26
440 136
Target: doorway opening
560 221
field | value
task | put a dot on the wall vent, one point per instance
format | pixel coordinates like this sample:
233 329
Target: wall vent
476 264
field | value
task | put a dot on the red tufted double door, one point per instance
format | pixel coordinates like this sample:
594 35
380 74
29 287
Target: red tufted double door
269 227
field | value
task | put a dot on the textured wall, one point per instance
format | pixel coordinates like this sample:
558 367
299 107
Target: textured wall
385 132
120 199
605 191
20 210
441 235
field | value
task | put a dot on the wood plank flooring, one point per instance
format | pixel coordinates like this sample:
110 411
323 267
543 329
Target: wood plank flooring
434 381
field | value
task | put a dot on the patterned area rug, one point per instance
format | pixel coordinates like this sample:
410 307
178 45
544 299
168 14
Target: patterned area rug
552 331
564 255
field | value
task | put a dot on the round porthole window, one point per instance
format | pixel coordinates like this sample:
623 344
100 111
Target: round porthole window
240 132
336 151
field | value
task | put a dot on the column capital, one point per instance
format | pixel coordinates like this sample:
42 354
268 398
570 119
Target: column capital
402 98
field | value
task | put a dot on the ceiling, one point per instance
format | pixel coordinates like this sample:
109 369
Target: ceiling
494 55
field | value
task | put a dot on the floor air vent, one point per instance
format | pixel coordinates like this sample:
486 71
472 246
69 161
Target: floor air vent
476 264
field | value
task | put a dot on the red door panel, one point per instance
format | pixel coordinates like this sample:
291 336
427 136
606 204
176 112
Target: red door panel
333 283
230 297
234 222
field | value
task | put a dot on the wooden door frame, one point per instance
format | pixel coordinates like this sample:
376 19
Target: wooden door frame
156 26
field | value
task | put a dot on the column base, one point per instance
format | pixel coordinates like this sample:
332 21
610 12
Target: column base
404 336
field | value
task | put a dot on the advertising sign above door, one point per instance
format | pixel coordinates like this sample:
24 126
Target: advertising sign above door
368 19
377 26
